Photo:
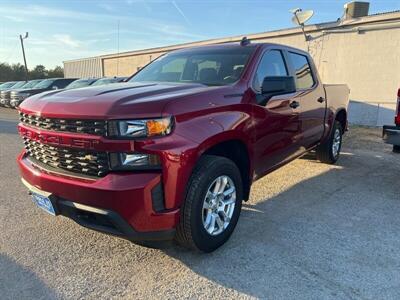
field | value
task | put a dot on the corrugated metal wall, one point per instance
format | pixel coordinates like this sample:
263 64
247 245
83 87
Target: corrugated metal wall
89 67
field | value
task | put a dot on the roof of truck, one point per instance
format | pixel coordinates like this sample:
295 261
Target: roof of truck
235 45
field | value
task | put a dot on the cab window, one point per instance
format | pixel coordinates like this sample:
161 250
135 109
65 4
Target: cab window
271 64
304 76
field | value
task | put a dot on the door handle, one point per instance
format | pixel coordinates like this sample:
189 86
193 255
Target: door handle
321 99
294 104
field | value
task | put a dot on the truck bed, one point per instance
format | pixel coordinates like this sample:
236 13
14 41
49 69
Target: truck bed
337 95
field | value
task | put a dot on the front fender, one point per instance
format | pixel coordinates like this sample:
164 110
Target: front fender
190 139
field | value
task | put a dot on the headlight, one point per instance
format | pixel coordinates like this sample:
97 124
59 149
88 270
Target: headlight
134 161
141 128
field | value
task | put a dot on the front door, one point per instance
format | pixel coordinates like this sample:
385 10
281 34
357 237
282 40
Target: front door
277 127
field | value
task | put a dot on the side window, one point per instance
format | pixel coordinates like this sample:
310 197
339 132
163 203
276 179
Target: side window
60 83
271 64
304 76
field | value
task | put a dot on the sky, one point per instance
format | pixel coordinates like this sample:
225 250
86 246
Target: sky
64 30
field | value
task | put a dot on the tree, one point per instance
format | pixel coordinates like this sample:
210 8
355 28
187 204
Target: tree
17 72
38 72
6 73
56 72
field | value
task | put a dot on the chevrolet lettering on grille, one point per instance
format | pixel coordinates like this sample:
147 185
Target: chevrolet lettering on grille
52 139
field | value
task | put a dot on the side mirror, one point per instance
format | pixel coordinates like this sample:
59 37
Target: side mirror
277 85
54 87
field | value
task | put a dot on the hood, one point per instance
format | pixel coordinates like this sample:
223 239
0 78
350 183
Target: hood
13 92
32 91
119 100
5 92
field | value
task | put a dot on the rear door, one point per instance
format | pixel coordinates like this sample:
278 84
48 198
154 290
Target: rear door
311 98
277 126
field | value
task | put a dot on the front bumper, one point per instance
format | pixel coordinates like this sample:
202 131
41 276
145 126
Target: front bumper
15 103
4 101
391 135
119 203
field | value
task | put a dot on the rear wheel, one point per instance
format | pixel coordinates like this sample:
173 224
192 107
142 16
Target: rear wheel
212 205
329 151
396 149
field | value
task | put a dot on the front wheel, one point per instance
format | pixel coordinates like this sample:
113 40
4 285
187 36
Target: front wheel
329 151
212 206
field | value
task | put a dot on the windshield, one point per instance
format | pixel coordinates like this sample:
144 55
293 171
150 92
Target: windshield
80 83
206 66
105 81
44 84
19 84
7 85
31 84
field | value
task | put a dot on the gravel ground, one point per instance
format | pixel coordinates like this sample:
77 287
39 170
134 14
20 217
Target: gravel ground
309 231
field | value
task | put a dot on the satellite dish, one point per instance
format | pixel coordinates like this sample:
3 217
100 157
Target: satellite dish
295 10
301 17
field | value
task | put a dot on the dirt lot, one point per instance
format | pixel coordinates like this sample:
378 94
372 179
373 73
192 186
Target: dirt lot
309 231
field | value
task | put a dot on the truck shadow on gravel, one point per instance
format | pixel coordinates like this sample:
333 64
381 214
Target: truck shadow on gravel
334 235
17 282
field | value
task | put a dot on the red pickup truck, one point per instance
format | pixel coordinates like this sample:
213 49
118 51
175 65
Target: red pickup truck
173 152
391 134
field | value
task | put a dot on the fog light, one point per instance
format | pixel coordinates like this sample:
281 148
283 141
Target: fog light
134 161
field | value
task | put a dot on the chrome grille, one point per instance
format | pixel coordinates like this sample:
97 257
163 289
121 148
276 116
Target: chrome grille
76 161
15 96
95 127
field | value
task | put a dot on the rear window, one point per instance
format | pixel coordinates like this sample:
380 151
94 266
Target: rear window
304 76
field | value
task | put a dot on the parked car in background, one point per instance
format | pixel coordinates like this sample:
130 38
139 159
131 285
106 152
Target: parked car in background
391 134
45 85
5 93
79 83
108 80
29 85
174 151
7 85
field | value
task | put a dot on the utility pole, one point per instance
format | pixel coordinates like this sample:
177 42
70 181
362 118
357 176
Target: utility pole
118 48
23 53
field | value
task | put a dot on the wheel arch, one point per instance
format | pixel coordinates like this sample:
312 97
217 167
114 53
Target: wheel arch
235 149
341 116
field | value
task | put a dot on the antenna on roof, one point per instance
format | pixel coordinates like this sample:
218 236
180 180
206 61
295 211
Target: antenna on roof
245 41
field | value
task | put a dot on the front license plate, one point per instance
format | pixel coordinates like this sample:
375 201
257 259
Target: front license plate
44 203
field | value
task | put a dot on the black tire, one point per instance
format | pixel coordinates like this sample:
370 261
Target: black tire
325 151
396 149
191 232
